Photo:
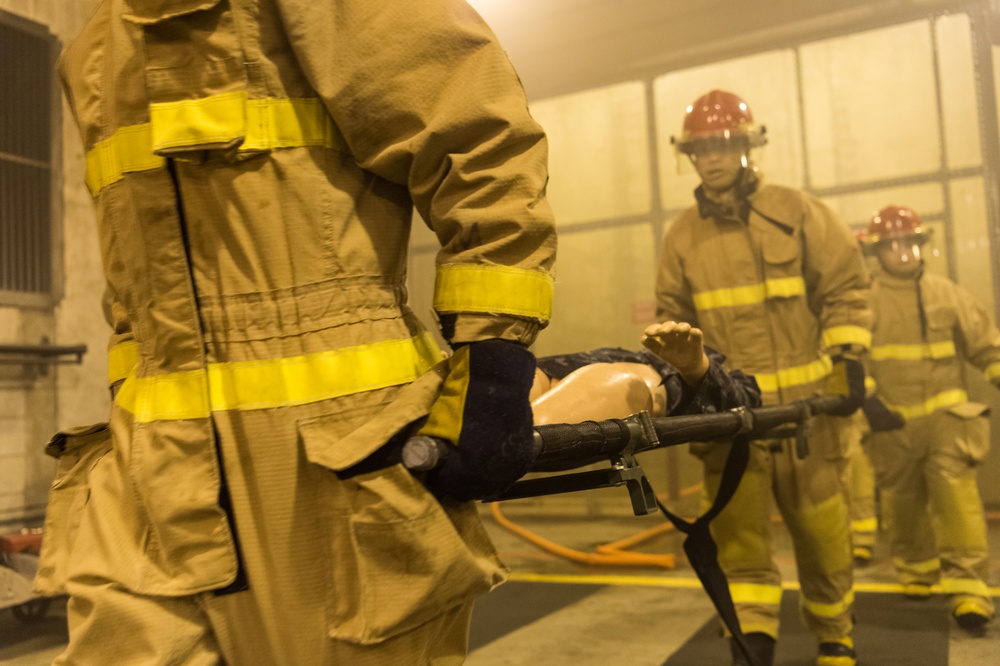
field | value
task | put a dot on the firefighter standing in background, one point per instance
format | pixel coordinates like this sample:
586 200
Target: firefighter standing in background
254 165
779 286
928 439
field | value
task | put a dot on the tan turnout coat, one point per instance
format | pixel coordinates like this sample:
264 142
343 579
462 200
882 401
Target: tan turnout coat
926 328
772 295
254 165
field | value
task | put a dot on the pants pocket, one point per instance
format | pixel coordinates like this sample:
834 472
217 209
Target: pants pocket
970 424
830 437
397 557
77 450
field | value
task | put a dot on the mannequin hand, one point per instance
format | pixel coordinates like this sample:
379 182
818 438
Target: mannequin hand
681 345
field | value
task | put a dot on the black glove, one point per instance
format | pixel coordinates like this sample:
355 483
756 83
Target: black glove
881 418
847 379
484 410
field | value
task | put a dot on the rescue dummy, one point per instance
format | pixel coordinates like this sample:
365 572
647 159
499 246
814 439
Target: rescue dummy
928 438
254 166
779 286
675 374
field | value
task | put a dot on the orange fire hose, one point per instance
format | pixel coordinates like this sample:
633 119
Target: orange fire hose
610 554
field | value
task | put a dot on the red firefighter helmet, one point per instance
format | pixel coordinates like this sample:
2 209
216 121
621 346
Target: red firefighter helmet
719 116
895 223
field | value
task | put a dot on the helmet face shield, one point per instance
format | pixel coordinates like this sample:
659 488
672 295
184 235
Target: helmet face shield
703 147
901 256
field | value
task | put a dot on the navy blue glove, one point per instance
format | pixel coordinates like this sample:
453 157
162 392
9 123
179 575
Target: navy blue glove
847 379
485 411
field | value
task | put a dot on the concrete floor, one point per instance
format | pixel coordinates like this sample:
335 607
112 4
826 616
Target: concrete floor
639 617
648 613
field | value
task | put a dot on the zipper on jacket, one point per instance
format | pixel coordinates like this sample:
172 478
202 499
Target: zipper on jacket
224 501
758 256
185 241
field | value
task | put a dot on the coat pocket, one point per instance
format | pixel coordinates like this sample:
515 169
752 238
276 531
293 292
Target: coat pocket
782 267
397 558
942 319
78 451
196 78
972 430
781 254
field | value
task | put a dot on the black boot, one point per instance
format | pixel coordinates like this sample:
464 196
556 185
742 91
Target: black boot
761 647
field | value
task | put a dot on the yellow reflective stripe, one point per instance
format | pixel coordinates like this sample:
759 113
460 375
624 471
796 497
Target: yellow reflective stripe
281 382
188 122
865 525
446 418
924 567
940 401
934 350
493 289
992 371
750 294
122 358
264 124
836 609
286 123
795 376
965 586
754 593
127 150
870 385
847 335
785 287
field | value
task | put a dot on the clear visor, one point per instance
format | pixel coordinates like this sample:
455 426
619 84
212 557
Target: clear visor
904 250
902 254
703 147
724 148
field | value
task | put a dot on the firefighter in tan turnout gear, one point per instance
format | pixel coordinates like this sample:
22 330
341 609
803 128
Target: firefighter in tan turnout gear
928 439
779 286
254 165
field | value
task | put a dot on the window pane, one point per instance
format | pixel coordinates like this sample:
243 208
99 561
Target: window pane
420 288
972 239
958 91
604 290
870 106
599 153
857 209
768 84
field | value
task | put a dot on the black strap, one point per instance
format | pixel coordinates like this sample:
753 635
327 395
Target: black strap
701 550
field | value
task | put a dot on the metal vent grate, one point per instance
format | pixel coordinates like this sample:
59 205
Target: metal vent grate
26 91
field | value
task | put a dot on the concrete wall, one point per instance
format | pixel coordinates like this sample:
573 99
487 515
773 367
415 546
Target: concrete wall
33 406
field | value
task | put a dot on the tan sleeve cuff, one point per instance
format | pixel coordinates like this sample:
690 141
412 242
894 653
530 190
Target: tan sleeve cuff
474 327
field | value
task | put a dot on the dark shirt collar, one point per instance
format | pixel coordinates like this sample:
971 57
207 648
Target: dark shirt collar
746 185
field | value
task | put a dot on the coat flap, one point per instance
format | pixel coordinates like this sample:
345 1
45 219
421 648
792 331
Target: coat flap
71 437
969 410
147 12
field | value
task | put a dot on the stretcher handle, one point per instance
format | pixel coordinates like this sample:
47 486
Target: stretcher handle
562 446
